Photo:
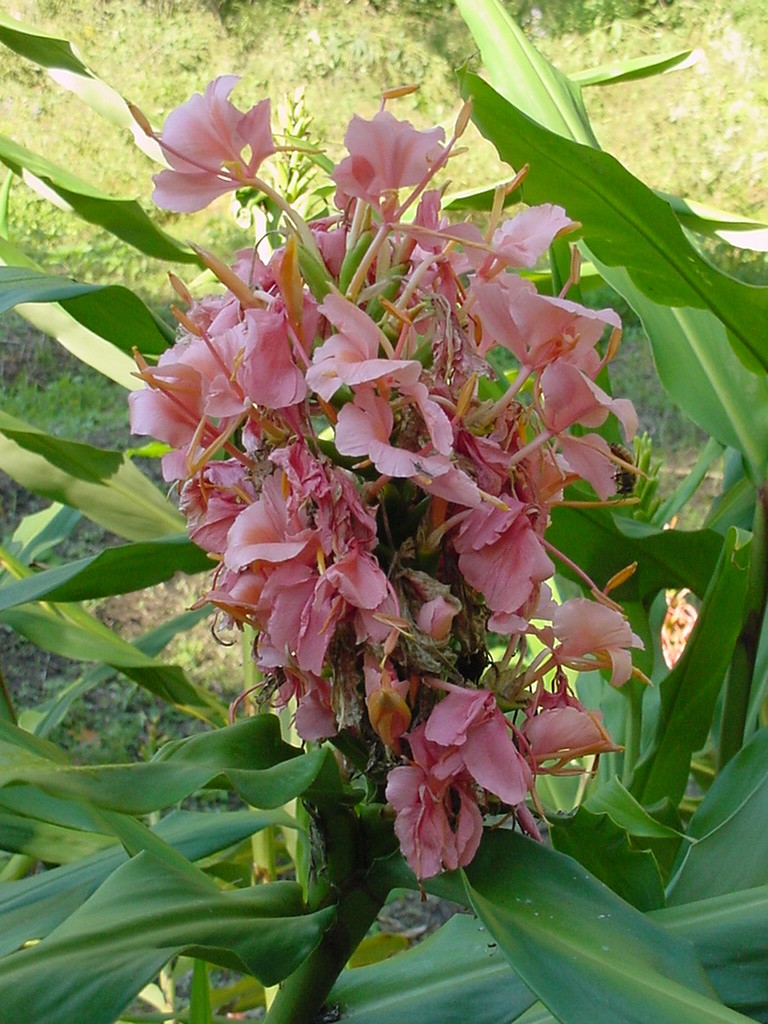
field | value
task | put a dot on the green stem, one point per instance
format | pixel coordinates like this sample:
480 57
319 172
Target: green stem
634 691
734 727
7 710
302 995
341 872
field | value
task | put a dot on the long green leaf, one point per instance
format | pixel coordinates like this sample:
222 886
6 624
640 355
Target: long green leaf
58 323
633 69
103 484
730 934
551 97
624 223
144 914
65 66
602 543
249 756
729 831
453 976
33 907
70 632
690 691
586 954
46 716
702 374
123 218
120 570
110 311
604 848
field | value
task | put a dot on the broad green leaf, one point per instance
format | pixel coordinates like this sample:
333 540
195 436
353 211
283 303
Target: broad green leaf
515 67
46 842
102 484
614 799
743 232
602 543
65 66
585 953
683 493
46 716
729 831
730 935
118 570
702 373
113 313
40 533
603 847
455 975
635 68
123 218
32 907
142 916
87 346
689 693
623 223
248 756
70 632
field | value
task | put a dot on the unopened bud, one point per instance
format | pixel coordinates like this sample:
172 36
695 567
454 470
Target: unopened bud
399 90
465 115
620 577
180 288
228 277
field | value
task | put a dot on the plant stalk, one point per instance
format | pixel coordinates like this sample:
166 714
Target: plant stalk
734 727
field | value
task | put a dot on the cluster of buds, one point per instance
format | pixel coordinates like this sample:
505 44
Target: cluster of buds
375 493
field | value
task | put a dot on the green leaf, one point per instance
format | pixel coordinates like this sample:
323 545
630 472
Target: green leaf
729 831
618 802
702 374
602 543
113 313
103 484
603 847
635 68
54 320
120 570
123 218
46 716
690 691
249 756
730 935
457 974
66 68
623 223
70 632
743 232
585 953
142 916
514 66
32 907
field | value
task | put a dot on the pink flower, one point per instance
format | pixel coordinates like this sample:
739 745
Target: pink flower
351 356
522 240
586 627
571 397
203 141
470 722
213 499
562 733
501 555
384 155
438 822
539 329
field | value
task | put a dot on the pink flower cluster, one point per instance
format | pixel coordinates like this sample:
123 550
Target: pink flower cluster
374 492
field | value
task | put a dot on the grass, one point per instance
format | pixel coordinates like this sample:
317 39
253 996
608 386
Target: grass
699 133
